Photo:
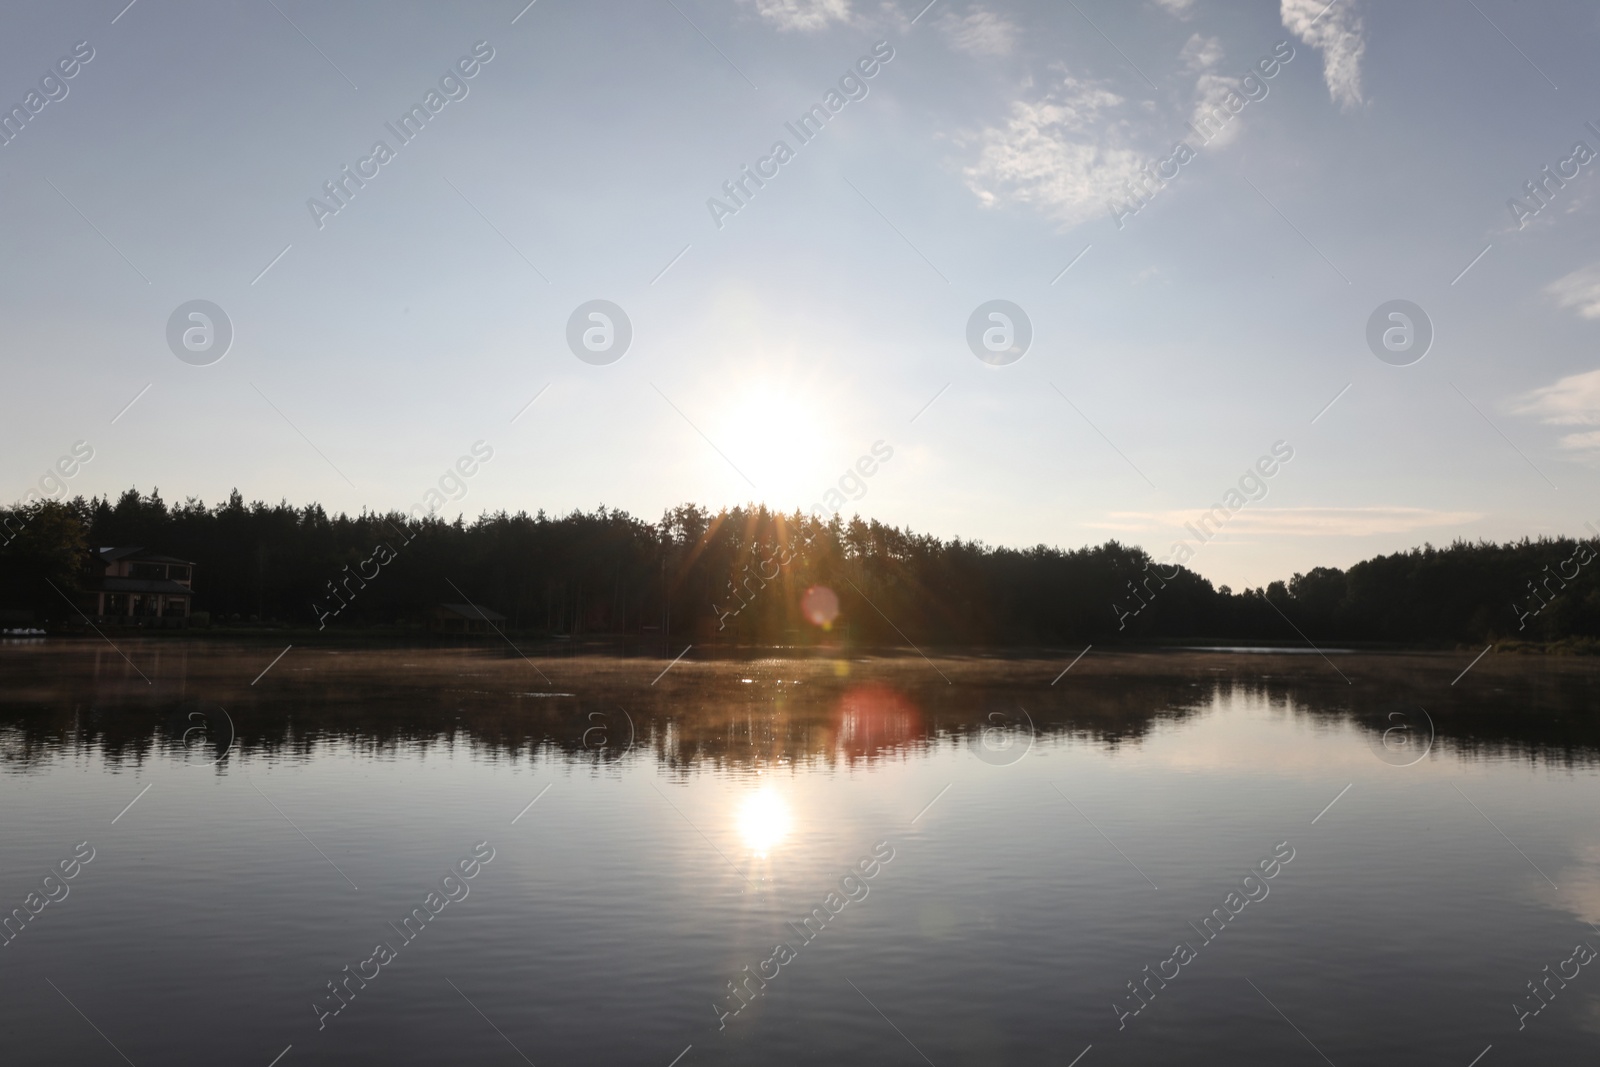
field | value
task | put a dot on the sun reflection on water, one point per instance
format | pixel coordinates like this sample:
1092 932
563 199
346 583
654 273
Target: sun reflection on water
764 820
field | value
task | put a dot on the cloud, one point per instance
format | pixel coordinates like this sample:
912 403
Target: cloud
1299 522
1337 32
1580 289
1572 401
1080 146
1181 8
1211 92
980 32
803 15
1065 155
1201 53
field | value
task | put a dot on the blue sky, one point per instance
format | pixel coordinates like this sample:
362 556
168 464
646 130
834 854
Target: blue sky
776 349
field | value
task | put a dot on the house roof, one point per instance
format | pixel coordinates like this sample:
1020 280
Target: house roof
140 585
138 554
467 611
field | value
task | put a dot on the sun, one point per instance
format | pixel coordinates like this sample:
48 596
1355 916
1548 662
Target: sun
772 432
764 820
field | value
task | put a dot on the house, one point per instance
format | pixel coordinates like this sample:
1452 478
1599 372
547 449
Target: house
464 619
128 586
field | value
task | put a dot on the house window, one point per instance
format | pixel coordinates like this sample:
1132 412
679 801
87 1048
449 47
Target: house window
177 573
177 607
148 570
116 603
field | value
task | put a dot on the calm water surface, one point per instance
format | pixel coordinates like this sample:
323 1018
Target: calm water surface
1022 853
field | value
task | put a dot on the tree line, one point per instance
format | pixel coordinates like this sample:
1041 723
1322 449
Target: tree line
740 576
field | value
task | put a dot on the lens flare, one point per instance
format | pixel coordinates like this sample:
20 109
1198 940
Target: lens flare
820 605
764 820
873 718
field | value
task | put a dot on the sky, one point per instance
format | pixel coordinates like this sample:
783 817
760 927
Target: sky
1199 216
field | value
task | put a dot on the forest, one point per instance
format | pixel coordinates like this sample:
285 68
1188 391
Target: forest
741 577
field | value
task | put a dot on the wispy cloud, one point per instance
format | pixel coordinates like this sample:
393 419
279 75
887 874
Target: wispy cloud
979 32
1574 400
1298 522
1580 290
1065 155
1072 151
1571 401
1201 55
804 15
1181 8
1338 33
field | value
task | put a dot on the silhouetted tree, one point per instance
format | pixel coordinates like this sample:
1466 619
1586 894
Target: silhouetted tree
738 575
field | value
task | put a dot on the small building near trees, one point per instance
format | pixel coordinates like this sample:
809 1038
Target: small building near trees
128 586
464 619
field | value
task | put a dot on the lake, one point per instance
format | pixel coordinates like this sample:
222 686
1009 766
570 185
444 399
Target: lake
454 855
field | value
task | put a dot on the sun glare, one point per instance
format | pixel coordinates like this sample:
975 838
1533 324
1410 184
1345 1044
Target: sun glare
774 432
763 820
